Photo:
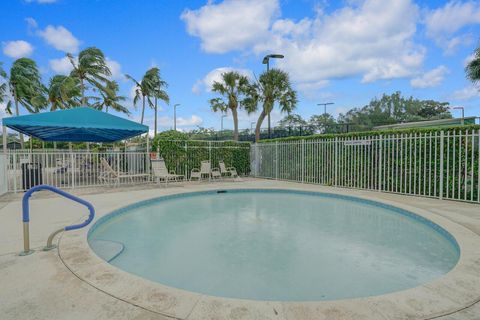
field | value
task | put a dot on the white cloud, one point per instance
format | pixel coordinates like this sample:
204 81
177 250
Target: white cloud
31 23
430 79
371 39
206 83
467 93
443 23
468 59
17 49
167 122
310 89
61 65
132 92
231 24
60 38
115 68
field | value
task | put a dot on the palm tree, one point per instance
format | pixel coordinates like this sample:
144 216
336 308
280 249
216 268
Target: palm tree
473 67
110 99
26 87
3 85
63 92
158 92
272 86
92 68
233 87
144 89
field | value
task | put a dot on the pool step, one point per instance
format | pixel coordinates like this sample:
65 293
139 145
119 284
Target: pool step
106 249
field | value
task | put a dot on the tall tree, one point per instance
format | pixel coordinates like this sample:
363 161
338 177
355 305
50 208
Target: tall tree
234 88
3 85
324 123
111 99
26 87
473 67
90 68
144 89
63 92
394 108
158 92
272 87
292 120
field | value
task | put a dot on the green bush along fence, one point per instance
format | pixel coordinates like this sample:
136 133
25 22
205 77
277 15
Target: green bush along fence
182 156
434 163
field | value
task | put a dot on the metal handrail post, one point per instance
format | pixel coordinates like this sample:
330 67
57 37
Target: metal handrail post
26 216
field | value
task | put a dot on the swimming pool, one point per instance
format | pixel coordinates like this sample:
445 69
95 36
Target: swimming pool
278 245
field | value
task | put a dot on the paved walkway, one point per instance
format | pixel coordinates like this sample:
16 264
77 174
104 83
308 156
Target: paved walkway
39 286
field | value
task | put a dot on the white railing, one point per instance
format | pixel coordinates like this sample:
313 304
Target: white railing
75 169
3 174
442 164
183 156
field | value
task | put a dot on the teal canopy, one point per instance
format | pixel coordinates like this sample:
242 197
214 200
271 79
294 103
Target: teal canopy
81 124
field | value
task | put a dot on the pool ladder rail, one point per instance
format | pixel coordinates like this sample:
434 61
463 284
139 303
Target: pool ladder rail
26 217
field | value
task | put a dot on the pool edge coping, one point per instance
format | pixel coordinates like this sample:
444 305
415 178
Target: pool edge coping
449 293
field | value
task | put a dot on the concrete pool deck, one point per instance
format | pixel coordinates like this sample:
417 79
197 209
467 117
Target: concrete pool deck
41 286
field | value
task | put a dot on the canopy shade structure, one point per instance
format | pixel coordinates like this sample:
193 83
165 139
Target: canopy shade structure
81 124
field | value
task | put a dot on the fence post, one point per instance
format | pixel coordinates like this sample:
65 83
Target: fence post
440 187
336 162
186 161
72 163
303 160
147 158
210 151
379 165
14 154
276 160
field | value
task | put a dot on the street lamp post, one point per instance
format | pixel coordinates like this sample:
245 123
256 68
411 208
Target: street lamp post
463 114
175 116
325 106
266 60
221 125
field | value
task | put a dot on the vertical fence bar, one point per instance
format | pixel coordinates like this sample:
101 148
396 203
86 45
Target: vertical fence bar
276 160
440 186
335 181
380 167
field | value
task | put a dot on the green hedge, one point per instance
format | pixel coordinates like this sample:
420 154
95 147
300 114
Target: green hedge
409 161
182 154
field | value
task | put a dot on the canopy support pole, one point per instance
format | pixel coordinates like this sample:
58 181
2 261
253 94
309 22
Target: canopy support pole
4 140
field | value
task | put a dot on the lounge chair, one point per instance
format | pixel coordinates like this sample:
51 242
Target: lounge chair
109 174
205 170
227 171
160 172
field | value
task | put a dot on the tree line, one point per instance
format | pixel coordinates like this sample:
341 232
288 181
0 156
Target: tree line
90 74
389 109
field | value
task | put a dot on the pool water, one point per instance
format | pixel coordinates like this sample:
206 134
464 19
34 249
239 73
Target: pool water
276 245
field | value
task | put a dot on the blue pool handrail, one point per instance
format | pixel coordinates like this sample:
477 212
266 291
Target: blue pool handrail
26 215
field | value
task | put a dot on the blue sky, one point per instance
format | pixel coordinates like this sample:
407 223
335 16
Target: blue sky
342 51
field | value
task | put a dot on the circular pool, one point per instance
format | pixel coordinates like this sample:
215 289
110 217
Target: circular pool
280 245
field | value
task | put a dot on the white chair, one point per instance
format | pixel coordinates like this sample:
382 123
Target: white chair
160 172
205 170
227 171
109 174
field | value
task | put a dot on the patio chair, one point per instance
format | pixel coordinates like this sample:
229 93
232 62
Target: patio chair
205 170
109 174
160 172
227 171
